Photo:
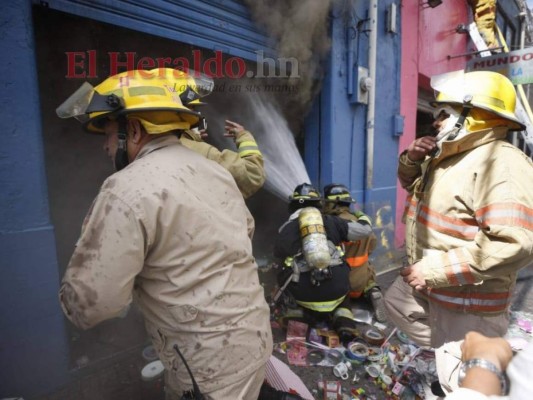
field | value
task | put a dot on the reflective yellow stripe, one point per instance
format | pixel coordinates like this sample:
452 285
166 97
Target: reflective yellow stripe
249 143
365 218
248 147
339 196
249 153
470 302
343 312
323 306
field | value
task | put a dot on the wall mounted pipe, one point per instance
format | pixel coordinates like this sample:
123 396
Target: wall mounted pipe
372 53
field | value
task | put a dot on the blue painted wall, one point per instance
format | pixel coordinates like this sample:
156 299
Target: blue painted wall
32 341
335 149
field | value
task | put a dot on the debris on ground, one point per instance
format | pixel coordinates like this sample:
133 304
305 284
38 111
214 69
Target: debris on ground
379 363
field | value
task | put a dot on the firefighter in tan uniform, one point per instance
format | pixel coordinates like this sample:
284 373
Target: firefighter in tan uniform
468 217
245 165
362 274
171 231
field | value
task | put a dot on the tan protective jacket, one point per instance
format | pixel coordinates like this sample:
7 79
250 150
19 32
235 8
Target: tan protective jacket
173 231
474 218
246 165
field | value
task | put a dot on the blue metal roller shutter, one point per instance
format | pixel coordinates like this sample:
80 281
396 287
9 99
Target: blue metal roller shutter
223 25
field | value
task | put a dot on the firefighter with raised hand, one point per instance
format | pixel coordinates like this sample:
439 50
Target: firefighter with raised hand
468 215
315 273
169 229
246 165
338 200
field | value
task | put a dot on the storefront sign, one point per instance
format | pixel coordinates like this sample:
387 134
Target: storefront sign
516 65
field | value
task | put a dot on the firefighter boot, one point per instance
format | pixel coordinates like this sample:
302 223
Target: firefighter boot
376 298
345 325
290 314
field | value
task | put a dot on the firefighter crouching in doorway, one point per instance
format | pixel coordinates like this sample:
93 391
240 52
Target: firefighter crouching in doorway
468 217
246 165
153 235
315 273
337 201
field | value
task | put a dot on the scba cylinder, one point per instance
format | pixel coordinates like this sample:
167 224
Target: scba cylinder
314 241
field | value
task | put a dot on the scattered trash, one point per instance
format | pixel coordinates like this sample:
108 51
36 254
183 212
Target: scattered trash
341 370
374 336
332 390
153 385
396 366
363 316
149 353
279 376
402 337
374 370
525 325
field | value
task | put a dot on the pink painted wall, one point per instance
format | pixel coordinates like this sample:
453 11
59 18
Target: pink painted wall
428 38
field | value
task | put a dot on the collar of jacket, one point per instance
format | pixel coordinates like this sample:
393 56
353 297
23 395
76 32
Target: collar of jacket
471 141
192 135
338 210
157 143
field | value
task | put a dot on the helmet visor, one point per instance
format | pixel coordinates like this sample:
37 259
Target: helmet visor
204 84
450 82
76 105
87 100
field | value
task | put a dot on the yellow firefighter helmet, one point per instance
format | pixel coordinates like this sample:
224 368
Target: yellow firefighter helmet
144 95
191 85
489 91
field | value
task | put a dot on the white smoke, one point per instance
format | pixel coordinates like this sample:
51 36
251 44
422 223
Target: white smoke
284 166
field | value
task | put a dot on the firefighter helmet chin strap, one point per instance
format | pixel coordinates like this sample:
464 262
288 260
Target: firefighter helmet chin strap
467 106
121 155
